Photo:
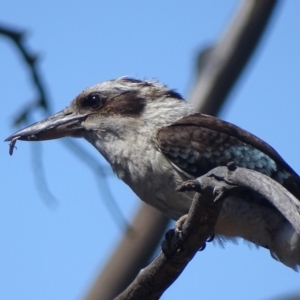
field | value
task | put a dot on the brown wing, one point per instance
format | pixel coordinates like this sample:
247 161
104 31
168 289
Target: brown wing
198 143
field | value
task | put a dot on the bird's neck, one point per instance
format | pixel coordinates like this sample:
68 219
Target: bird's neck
162 112
129 143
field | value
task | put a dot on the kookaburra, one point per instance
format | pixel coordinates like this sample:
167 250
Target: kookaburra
154 141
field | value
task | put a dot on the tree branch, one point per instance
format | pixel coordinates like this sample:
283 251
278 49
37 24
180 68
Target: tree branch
17 37
224 62
271 190
231 177
179 248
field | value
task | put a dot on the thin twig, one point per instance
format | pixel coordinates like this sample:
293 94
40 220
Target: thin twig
42 101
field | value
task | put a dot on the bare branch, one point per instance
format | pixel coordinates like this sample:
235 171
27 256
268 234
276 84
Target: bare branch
231 178
224 62
17 37
179 248
271 190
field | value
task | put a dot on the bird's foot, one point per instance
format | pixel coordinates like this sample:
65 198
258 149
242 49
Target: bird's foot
179 223
210 239
170 244
179 227
189 185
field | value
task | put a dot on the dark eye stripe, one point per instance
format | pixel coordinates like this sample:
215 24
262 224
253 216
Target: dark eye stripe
125 104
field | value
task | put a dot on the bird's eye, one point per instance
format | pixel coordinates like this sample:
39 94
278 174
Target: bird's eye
93 100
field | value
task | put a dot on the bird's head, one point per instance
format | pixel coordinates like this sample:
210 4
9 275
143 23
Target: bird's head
112 107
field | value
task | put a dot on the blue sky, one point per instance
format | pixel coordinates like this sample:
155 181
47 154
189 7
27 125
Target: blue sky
49 253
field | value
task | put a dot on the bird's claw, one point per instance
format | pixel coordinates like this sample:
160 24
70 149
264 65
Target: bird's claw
202 247
189 185
179 223
211 238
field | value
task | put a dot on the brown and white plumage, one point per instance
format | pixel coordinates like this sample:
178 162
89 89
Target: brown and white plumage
154 140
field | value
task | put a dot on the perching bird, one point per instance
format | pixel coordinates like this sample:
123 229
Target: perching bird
154 141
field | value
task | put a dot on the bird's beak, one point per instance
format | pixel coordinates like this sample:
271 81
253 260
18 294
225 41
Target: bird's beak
64 123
